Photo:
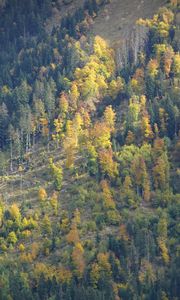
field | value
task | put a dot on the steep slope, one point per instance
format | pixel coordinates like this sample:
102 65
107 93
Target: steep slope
89 202
61 10
117 19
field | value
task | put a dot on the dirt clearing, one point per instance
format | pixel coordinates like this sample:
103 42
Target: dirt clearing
117 19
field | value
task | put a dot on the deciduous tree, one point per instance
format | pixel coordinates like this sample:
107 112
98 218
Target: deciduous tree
108 165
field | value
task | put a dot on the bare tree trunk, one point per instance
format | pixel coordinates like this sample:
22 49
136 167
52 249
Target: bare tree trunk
29 140
11 157
26 142
33 141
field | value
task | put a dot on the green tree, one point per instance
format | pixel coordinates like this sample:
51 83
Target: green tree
57 173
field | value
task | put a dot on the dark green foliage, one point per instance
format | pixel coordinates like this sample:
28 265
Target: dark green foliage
26 48
96 235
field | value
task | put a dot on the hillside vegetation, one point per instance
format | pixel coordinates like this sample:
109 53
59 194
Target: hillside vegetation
89 161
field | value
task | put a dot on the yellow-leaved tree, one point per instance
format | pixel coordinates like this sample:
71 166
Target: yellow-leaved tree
108 165
107 196
110 117
78 259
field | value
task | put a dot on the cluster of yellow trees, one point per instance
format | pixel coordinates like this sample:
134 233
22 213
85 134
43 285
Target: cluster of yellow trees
73 127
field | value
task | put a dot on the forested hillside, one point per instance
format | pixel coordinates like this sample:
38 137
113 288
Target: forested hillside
89 153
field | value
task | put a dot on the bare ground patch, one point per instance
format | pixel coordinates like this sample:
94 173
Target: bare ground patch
117 19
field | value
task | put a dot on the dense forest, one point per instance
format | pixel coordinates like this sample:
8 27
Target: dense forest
89 157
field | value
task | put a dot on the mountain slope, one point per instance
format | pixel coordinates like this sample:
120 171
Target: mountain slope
117 19
89 193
